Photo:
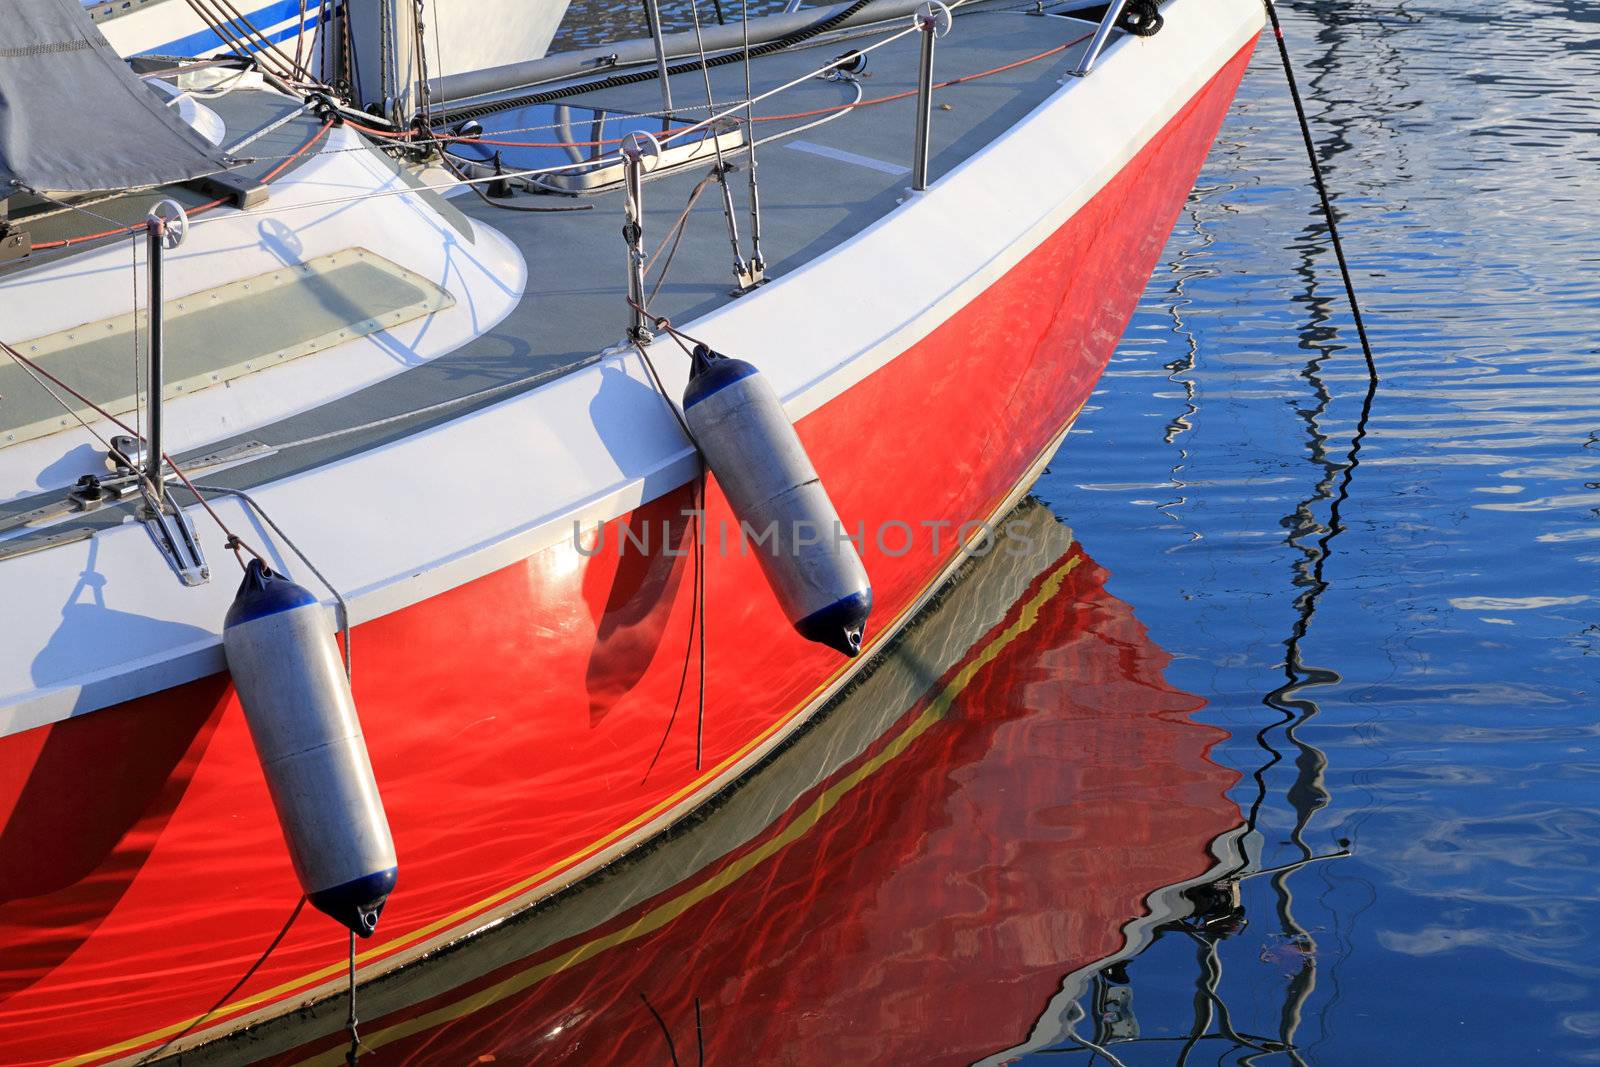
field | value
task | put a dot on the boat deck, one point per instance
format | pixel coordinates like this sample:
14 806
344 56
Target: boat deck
825 174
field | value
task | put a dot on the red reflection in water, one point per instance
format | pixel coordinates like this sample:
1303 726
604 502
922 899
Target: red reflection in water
922 903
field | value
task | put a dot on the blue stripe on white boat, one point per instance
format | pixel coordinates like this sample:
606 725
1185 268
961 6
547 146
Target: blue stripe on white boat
272 14
847 157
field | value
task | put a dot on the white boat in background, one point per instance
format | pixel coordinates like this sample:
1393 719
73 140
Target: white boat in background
523 29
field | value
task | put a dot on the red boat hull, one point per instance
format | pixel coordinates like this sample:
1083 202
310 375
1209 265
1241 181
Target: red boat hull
877 920
514 722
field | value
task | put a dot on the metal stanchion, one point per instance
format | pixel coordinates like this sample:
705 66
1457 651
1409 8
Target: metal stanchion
652 15
165 228
934 20
156 234
1102 35
638 150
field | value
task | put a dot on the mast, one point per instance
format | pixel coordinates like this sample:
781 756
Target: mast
381 64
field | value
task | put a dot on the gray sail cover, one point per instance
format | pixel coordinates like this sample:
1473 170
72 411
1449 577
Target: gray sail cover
75 118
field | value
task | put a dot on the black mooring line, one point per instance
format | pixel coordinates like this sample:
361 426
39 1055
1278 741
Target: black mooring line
1322 189
223 1000
351 1021
672 1047
699 1033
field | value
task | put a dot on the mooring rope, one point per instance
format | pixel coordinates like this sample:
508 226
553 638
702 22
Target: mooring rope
1322 188
351 1020
221 1001
697 619
672 1047
1285 700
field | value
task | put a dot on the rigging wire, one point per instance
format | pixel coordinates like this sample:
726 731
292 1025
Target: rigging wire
64 206
408 189
618 80
757 260
227 35
679 336
1283 699
853 33
681 131
250 31
300 42
716 147
233 540
36 375
237 32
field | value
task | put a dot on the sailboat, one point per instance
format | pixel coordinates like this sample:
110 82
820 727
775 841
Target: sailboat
496 385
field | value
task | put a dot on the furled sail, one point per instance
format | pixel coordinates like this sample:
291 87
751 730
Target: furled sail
74 117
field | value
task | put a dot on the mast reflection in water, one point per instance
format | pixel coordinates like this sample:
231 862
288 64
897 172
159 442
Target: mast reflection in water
945 867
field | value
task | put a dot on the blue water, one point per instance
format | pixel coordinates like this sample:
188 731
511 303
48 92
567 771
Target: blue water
1385 596
1401 634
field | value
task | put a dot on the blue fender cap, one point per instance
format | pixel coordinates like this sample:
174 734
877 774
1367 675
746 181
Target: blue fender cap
265 592
840 625
711 373
357 903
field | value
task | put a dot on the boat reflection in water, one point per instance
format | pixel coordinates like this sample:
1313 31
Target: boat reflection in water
1008 803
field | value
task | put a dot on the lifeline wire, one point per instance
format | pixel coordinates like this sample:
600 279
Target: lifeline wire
408 190
799 36
1322 188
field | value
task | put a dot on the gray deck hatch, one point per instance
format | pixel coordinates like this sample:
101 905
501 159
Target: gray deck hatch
218 335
